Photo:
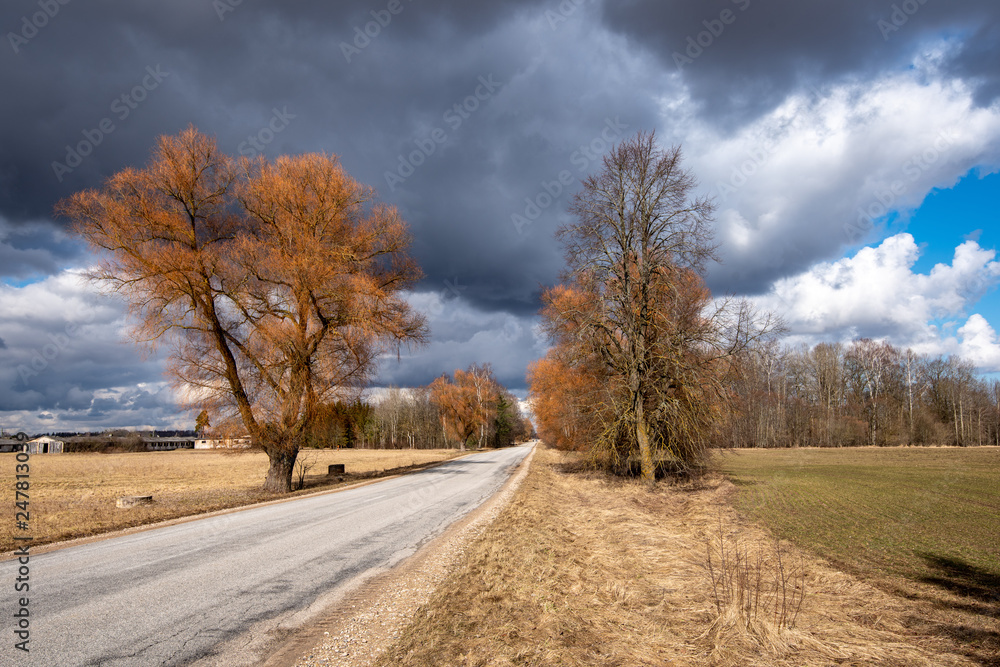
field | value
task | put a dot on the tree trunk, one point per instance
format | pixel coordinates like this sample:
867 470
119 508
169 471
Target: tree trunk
647 469
279 474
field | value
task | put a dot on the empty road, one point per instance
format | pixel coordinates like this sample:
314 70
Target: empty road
219 586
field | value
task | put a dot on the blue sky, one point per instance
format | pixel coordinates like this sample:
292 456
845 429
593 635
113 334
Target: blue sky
854 166
950 216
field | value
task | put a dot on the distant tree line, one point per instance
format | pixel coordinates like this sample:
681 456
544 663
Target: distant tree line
467 409
863 393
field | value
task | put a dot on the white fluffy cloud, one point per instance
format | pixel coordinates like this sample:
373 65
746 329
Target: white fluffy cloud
979 343
815 175
876 294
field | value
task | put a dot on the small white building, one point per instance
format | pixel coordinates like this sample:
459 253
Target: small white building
45 445
242 442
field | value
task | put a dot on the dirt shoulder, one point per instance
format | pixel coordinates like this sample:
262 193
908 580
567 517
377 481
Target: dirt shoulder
580 569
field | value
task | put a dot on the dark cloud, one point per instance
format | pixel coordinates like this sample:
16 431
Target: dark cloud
507 109
976 59
36 251
743 57
477 120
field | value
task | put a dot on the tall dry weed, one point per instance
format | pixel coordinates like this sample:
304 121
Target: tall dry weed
754 583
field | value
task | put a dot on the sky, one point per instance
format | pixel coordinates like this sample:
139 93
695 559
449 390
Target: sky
852 148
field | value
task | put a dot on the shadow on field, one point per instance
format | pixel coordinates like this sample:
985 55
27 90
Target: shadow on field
963 579
977 592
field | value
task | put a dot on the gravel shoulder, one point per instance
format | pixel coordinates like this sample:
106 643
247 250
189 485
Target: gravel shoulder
356 631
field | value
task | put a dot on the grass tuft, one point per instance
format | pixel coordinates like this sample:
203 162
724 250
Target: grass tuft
759 584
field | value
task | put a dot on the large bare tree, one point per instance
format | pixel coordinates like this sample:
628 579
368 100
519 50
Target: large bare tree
636 252
278 283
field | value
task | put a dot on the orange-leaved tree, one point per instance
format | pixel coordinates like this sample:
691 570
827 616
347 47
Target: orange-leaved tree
636 307
278 283
467 403
568 386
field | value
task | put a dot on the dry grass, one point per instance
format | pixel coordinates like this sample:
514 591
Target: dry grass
73 495
761 584
584 570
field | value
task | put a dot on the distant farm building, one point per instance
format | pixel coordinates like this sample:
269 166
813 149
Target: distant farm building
11 445
45 445
223 443
166 444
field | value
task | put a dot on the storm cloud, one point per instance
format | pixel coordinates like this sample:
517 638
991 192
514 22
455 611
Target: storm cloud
478 120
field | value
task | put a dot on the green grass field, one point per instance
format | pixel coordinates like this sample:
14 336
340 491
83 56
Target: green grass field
921 514
921 523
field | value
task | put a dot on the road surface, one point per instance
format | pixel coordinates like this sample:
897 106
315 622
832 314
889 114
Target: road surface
214 590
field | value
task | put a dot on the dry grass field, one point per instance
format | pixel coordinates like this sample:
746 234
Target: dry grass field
73 495
923 523
581 569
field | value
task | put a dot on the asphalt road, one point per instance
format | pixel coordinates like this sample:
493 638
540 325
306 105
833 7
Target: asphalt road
215 589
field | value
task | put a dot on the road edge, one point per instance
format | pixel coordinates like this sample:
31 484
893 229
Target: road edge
357 628
88 539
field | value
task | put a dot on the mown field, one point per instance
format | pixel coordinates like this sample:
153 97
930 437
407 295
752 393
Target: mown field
73 495
921 522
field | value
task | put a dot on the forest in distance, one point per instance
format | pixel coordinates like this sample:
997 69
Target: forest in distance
864 393
469 408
